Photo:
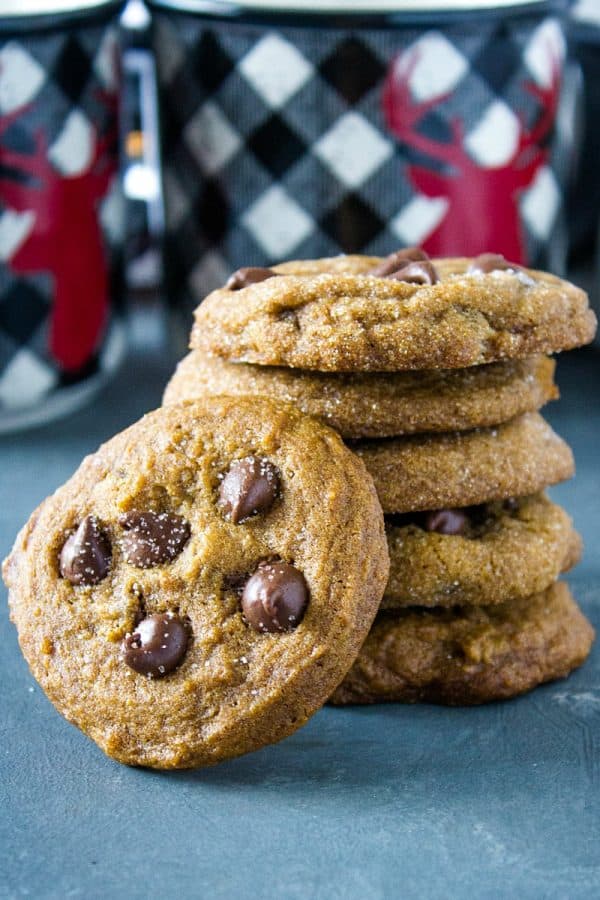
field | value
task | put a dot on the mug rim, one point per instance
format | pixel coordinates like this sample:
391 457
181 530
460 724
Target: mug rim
379 13
48 15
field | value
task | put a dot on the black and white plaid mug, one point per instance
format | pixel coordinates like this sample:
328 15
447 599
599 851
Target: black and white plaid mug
60 210
292 132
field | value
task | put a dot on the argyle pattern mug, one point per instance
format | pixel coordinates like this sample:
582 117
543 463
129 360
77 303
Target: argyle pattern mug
298 137
60 209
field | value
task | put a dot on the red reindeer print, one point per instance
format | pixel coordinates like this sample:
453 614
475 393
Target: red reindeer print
65 240
483 201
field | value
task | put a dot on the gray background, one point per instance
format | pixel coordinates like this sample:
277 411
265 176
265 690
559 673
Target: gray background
412 802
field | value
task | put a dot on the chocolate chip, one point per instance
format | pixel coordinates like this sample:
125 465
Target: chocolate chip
275 597
247 276
422 272
446 521
153 538
491 262
250 487
85 557
494 262
157 646
398 260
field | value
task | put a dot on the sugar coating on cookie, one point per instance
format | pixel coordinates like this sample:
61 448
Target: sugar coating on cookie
469 655
497 551
341 314
373 404
442 471
224 561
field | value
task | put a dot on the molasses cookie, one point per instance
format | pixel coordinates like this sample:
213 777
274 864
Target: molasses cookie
442 471
371 404
360 313
202 583
478 555
470 655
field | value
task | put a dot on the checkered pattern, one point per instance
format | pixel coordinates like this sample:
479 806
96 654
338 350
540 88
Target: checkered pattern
274 143
51 83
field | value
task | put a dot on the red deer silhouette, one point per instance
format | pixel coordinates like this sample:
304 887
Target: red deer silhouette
66 240
483 211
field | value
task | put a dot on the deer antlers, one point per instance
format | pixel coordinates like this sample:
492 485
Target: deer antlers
403 114
547 98
36 163
37 168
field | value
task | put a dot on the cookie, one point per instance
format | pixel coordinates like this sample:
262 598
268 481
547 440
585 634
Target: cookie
202 583
466 468
380 405
470 655
350 313
479 555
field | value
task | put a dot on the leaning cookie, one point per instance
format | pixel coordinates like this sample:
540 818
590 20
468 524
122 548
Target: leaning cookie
479 555
202 583
441 471
471 655
360 313
371 404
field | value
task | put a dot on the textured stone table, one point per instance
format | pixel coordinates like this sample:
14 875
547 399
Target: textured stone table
411 802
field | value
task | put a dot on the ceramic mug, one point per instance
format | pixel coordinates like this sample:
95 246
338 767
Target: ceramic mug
584 39
292 132
60 210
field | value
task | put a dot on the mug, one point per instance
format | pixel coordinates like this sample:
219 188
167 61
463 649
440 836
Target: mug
288 132
584 40
60 206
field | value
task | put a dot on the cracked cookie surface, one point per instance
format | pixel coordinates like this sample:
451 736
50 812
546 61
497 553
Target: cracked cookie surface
469 655
441 471
363 405
332 315
202 583
504 550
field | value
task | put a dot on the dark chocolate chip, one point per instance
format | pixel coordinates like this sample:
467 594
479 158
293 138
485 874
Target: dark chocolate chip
85 556
153 538
446 521
421 272
157 646
250 487
275 597
398 260
491 262
247 276
494 262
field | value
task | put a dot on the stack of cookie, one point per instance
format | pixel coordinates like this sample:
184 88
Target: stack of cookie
434 372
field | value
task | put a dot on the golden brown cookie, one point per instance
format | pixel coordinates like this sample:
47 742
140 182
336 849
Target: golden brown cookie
202 583
332 315
366 404
466 468
470 655
479 555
